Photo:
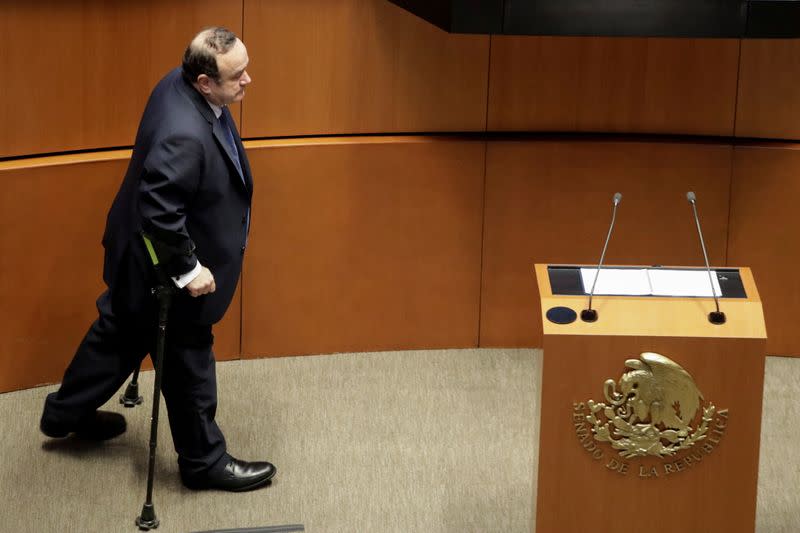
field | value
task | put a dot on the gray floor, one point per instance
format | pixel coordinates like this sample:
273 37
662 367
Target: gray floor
419 441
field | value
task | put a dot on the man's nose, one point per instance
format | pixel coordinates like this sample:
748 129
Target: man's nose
245 79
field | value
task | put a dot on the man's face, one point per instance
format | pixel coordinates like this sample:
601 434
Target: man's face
232 74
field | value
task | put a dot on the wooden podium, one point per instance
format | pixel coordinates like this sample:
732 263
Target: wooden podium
664 442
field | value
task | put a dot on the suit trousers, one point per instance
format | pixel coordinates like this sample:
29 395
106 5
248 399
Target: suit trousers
112 349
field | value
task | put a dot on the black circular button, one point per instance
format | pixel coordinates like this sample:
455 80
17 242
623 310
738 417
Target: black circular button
561 315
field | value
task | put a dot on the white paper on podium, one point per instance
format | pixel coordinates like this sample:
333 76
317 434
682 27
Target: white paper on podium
650 282
617 281
666 282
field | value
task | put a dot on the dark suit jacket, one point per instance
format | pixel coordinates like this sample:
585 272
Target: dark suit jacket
183 189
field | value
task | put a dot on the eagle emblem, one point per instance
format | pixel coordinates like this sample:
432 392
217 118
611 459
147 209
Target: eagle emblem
651 410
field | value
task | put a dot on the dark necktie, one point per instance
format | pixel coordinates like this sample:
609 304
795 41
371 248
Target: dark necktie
228 131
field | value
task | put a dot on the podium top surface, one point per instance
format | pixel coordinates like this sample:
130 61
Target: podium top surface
662 308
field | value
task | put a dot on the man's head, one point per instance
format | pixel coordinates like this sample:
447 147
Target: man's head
215 63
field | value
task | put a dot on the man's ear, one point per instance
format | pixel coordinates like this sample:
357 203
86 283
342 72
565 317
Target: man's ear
203 84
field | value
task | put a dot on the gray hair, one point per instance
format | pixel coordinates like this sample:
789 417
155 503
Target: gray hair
201 54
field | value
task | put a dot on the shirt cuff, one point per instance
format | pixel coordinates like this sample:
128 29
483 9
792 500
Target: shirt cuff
185 279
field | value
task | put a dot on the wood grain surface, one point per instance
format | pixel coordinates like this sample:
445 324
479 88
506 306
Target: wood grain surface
650 85
80 72
359 66
717 492
764 234
365 245
51 221
769 99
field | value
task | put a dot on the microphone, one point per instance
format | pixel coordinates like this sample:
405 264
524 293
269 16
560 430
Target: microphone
715 317
590 315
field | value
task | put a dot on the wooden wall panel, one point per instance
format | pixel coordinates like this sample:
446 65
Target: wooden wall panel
765 235
550 202
369 244
52 216
79 73
613 84
358 66
769 97
51 261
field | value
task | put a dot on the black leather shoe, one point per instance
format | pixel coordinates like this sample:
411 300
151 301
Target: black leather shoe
236 476
99 426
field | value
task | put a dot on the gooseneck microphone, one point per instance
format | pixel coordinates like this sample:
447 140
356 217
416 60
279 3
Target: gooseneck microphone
590 315
715 317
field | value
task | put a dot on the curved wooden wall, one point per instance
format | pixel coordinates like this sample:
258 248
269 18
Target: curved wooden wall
769 99
52 214
613 85
366 243
51 265
80 72
359 66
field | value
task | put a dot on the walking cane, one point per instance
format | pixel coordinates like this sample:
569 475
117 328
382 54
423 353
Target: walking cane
163 291
131 396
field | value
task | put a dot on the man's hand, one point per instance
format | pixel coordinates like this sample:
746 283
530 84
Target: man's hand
202 284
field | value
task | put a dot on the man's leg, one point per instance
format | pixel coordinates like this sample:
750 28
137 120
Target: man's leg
189 385
108 354
190 390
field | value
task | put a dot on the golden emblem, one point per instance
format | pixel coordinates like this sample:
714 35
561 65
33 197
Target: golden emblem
651 410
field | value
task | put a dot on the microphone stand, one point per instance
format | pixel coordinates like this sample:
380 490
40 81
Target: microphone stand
715 317
590 315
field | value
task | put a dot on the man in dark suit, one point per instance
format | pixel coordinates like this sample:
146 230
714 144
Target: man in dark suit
188 188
